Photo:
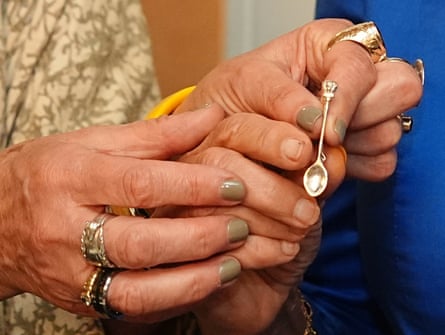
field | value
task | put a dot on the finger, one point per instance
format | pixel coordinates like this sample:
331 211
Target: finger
372 168
262 252
244 89
397 90
375 140
350 66
152 294
159 138
137 243
129 182
258 223
277 143
265 189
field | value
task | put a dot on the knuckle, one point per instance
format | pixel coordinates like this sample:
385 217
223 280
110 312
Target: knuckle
220 157
198 291
383 165
135 184
131 300
276 97
140 250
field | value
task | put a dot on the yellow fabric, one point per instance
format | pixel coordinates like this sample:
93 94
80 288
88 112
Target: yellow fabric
170 103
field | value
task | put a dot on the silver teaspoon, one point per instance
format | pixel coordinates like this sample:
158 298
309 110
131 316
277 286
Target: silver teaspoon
315 178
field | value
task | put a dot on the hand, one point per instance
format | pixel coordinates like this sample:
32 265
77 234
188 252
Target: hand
52 185
270 268
281 80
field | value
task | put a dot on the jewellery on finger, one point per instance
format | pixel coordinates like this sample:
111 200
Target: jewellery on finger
420 69
87 295
307 313
128 211
92 242
315 179
365 34
95 291
406 122
100 302
418 66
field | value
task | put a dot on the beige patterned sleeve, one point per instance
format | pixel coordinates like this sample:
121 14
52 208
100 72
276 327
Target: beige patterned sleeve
68 64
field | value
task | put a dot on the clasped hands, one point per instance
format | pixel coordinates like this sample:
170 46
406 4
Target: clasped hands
257 131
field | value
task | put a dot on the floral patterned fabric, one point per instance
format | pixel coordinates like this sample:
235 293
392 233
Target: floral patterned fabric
64 65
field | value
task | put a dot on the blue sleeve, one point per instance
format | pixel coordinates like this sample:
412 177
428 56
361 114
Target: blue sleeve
400 223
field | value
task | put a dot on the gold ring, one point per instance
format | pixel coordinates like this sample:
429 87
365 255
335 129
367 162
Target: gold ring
87 296
365 34
95 291
92 243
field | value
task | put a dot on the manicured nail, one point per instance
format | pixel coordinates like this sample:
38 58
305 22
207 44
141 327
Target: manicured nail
237 230
229 270
307 116
233 190
340 129
291 149
306 211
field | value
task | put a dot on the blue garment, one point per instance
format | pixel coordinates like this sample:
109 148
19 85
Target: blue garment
381 267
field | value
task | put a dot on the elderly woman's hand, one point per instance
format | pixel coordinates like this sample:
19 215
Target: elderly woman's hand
51 186
283 220
281 80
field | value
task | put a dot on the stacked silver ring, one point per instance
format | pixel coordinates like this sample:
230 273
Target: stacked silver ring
92 242
95 288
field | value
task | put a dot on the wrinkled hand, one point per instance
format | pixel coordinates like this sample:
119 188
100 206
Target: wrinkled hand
51 186
281 80
280 215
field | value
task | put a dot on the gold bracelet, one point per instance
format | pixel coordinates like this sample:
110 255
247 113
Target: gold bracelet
307 312
170 103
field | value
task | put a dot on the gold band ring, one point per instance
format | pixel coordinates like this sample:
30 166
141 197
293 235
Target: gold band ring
95 291
366 35
92 243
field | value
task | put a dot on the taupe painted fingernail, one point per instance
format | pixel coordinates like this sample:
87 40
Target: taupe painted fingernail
229 270
291 149
306 211
237 230
340 129
233 190
307 116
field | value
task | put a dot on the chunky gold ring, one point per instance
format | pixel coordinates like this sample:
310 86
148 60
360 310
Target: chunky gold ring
365 34
92 243
95 291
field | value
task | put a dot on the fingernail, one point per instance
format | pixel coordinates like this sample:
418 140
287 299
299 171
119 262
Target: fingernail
306 211
229 270
233 190
291 149
340 129
307 116
290 248
237 230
